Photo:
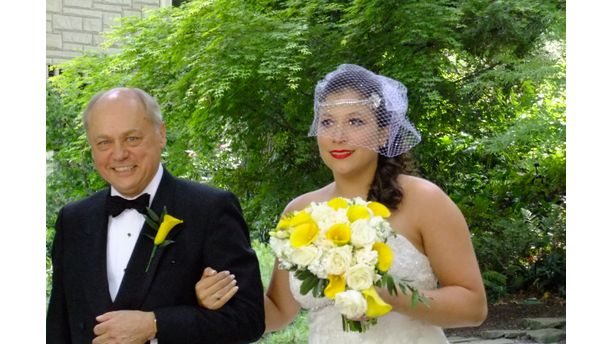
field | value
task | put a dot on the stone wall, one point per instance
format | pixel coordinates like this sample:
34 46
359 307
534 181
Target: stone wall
75 26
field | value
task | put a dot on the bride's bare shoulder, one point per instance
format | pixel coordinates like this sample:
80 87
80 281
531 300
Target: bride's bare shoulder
304 200
423 189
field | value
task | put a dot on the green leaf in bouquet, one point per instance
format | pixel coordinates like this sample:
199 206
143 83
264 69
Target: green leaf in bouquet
415 299
403 288
349 325
391 285
320 287
309 281
418 297
302 274
387 282
308 284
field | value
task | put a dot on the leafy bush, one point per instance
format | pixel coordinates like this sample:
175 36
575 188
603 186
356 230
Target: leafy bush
495 285
235 81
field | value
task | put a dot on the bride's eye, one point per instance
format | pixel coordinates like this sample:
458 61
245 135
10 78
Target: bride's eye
356 122
326 123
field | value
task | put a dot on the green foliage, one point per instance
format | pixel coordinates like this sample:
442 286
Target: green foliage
297 331
49 273
495 285
266 260
235 81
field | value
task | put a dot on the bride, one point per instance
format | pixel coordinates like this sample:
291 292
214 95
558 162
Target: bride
363 137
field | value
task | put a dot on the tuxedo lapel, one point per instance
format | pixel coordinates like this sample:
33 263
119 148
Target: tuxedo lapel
94 276
135 284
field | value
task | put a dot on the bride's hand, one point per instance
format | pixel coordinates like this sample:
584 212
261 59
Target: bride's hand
214 289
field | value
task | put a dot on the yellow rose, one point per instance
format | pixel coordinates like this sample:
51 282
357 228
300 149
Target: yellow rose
379 209
164 228
376 306
339 233
338 203
356 212
304 234
385 256
336 285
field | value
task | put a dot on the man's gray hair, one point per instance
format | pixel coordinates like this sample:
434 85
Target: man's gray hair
150 105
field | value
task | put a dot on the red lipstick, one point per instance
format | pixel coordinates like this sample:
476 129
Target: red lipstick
341 153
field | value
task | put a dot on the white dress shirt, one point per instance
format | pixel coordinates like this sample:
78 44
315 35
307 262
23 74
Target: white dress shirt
123 232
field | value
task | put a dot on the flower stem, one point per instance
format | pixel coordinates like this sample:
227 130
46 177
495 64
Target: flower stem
151 258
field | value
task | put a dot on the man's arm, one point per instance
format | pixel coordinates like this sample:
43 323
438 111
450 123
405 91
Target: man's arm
58 329
227 248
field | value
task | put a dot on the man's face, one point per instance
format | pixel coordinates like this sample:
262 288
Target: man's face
126 146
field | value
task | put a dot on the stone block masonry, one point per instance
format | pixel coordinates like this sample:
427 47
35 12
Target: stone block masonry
75 26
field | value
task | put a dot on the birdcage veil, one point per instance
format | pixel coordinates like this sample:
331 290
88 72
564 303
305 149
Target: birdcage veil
364 109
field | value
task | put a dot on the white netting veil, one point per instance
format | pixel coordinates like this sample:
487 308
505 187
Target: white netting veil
360 108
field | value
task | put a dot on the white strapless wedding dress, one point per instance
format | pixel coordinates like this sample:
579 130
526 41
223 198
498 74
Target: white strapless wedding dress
325 322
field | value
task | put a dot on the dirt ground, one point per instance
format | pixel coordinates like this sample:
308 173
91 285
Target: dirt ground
509 314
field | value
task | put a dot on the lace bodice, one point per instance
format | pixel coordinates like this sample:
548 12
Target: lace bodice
325 321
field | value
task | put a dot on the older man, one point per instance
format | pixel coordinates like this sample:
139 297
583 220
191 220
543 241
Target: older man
110 283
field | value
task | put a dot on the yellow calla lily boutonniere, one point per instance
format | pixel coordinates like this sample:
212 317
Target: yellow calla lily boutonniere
167 223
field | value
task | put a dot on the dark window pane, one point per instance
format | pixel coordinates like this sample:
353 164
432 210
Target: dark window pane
177 3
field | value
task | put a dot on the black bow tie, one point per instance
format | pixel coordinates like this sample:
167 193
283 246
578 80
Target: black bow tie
115 204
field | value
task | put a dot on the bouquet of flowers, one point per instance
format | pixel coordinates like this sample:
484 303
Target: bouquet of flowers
338 250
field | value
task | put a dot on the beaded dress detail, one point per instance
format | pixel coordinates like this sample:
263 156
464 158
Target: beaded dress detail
325 322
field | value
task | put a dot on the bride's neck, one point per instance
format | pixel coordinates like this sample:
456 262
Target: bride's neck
351 187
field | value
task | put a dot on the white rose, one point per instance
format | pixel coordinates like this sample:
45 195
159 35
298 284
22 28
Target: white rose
285 265
326 216
323 243
360 276
280 247
362 233
318 268
366 256
351 303
303 256
338 260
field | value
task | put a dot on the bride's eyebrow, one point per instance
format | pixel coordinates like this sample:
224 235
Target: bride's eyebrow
353 113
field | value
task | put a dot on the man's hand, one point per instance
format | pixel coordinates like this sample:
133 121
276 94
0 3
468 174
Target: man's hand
125 327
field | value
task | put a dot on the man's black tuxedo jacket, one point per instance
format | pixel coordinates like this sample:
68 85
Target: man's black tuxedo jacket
213 234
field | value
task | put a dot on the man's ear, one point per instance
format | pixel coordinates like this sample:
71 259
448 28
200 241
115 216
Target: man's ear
162 134
91 148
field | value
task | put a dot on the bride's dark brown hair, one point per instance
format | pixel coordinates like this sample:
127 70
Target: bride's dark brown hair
385 187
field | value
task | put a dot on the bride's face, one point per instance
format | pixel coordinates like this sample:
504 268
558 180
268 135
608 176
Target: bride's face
347 133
